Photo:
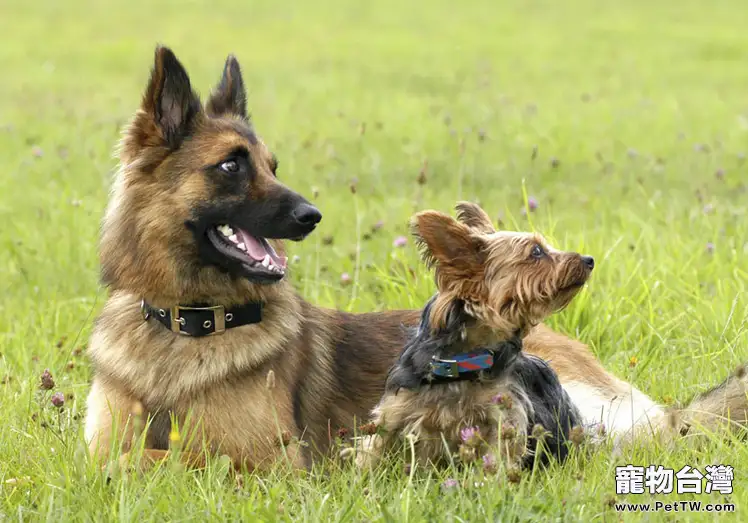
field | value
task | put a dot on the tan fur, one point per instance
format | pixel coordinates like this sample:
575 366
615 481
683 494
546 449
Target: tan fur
504 287
572 360
724 407
433 417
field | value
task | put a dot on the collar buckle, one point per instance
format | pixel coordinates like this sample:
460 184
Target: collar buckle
445 368
218 323
144 310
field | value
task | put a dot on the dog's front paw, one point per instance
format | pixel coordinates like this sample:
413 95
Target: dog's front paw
347 453
368 451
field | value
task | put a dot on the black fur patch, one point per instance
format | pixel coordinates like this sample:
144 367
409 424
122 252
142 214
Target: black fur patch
413 366
552 407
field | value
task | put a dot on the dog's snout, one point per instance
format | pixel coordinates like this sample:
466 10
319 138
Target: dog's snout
307 215
589 261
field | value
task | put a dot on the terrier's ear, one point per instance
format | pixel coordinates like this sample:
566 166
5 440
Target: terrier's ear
474 217
169 99
229 96
448 245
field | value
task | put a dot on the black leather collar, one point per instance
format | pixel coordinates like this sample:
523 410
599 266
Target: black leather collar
197 320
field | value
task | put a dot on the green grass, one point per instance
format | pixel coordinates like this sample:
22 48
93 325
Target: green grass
638 115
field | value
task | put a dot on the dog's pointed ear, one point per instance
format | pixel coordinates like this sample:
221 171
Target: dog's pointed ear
230 95
169 99
447 244
474 217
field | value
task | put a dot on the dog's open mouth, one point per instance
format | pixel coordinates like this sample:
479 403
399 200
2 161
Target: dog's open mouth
253 252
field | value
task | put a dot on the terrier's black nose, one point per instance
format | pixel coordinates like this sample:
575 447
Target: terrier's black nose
589 261
307 215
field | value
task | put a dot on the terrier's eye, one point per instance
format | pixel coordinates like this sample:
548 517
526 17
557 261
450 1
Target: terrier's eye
537 251
230 166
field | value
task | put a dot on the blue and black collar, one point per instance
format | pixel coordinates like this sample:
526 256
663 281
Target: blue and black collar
475 364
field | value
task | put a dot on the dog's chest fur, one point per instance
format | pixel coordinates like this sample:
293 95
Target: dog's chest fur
446 407
220 382
435 415
159 367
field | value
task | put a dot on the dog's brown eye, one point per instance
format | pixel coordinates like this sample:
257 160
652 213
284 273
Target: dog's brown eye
537 251
230 166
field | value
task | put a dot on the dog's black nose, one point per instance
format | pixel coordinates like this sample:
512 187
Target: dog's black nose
589 261
307 215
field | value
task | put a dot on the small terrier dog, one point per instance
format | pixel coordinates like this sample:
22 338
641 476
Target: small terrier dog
462 384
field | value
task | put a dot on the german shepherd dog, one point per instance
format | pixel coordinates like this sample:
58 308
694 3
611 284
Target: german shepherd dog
201 326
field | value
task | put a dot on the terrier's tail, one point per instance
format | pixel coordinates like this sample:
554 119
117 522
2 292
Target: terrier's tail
722 407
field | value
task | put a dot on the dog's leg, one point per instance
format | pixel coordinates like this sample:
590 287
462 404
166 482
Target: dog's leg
109 410
368 452
293 457
114 416
722 407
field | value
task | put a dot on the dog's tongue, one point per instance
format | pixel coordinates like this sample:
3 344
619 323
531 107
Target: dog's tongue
259 249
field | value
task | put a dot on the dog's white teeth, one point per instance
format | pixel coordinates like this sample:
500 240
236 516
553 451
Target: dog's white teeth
241 246
225 230
233 238
266 261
